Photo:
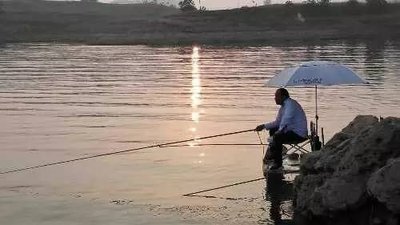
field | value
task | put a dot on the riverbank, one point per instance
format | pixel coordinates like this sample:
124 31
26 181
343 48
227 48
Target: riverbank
96 23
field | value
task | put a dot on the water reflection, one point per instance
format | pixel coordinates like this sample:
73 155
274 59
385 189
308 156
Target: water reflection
374 61
279 193
195 92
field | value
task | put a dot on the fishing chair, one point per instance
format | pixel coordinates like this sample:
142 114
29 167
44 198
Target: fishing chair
312 140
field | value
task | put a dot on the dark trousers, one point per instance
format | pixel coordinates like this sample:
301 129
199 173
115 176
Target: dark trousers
279 139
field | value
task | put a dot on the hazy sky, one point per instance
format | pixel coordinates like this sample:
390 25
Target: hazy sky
215 4
223 4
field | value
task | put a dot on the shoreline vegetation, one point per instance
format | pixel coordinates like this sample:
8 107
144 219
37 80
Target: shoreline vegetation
25 21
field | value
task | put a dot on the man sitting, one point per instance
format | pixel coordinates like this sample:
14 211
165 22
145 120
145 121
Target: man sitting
290 126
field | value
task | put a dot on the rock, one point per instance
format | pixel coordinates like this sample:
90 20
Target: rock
339 193
353 172
304 187
335 149
359 123
384 185
372 148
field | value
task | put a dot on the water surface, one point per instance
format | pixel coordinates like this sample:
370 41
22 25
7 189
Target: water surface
59 102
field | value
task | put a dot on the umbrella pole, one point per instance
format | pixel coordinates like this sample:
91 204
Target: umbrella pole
316 110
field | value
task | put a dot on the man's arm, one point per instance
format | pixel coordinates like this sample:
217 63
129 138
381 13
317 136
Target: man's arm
272 124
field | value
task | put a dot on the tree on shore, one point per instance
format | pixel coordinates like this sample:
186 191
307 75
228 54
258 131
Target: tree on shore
187 5
353 7
353 3
376 6
316 8
324 2
318 2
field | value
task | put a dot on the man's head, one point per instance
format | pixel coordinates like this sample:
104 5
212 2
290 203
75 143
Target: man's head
281 95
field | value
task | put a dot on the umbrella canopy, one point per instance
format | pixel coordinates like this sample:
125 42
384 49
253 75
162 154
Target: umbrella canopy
315 73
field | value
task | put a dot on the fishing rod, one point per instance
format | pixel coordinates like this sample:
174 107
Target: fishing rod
195 194
212 144
121 151
225 186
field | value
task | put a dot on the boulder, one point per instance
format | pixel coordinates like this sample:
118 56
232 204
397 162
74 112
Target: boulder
351 173
384 185
371 148
305 186
335 149
339 193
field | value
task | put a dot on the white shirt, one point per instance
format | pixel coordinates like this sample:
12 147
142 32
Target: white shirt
291 117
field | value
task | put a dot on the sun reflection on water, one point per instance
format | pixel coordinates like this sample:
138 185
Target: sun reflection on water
196 85
195 94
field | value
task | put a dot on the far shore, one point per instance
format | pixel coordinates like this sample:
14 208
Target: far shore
151 24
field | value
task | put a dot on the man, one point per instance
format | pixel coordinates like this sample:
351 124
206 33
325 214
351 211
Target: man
289 127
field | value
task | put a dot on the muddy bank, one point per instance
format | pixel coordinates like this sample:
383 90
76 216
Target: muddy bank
75 22
354 179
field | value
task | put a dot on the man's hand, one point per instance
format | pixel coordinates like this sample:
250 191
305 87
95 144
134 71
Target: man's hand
260 127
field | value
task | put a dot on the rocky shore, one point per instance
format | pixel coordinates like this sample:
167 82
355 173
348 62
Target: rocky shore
355 178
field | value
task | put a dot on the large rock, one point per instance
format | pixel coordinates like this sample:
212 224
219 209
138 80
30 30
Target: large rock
384 185
335 149
354 173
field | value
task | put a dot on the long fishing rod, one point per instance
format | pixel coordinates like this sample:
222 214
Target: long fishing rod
195 194
212 144
225 186
121 151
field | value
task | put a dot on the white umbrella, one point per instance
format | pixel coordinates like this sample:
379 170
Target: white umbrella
313 74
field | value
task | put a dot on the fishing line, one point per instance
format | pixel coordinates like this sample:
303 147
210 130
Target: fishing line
193 194
217 144
261 142
212 144
223 198
121 151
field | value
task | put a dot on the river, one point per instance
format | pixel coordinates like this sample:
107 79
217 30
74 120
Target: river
60 102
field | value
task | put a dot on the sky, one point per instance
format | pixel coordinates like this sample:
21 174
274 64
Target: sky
215 4
226 4
220 4
223 4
